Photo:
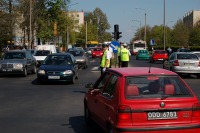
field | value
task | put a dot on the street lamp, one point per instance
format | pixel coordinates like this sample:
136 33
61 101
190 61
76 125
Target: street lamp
86 34
140 27
145 27
164 25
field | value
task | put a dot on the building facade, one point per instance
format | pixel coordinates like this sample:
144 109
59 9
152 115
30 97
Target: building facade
191 18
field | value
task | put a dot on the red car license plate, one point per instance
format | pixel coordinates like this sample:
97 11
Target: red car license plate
162 115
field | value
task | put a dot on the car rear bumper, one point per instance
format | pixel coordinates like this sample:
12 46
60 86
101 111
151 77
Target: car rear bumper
186 70
11 71
163 129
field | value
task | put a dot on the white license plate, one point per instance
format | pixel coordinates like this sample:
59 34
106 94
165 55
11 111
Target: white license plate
160 59
162 115
53 77
188 64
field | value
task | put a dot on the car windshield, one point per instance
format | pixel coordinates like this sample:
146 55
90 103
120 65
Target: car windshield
160 52
155 86
14 55
187 56
97 49
76 53
142 51
42 53
61 60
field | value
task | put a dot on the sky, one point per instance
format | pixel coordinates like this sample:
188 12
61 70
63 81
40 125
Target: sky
128 14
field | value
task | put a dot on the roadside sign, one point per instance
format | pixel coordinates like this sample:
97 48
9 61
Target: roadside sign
114 45
152 42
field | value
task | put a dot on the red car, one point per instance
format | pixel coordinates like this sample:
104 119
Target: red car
97 52
141 100
159 55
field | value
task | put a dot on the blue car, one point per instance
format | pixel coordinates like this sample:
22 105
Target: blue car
58 67
142 55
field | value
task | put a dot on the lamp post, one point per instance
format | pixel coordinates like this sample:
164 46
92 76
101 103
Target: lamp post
30 14
164 26
145 21
140 27
85 34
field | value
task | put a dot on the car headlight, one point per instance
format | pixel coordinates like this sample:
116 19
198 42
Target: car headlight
17 66
68 72
41 72
80 60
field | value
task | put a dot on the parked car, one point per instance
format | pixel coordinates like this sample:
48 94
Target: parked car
32 51
159 55
97 52
17 62
80 57
183 62
140 100
142 55
58 67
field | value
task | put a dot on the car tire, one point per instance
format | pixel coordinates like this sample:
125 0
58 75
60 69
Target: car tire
87 115
25 73
39 81
34 70
73 80
110 130
76 75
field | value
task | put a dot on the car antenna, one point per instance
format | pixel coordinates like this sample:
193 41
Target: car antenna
150 67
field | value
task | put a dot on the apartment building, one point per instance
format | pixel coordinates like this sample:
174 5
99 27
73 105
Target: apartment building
191 18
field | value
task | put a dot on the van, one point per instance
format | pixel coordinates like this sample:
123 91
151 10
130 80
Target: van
42 51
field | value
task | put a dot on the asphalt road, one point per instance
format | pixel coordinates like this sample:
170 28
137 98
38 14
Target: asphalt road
26 107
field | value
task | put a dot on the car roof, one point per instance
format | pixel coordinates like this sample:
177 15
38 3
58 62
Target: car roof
60 54
136 71
16 50
183 52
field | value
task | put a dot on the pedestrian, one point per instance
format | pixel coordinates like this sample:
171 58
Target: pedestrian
169 50
125 53
119 54
105 59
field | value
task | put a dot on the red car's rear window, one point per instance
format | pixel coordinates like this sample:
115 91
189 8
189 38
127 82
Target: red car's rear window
160 52
155 86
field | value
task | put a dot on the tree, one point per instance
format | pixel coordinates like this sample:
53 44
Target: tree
180 34
195 36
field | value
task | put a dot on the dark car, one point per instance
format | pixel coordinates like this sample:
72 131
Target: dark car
142 100
17 62
80 57
183 50
58 67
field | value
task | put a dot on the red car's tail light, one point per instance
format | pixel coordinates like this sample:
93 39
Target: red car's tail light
196 110
124 112
199 63
176 63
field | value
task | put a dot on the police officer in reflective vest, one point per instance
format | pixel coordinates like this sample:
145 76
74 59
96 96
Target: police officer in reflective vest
119 54
105 59
125 53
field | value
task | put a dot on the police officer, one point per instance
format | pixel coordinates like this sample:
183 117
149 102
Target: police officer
105 59
119 54
125 53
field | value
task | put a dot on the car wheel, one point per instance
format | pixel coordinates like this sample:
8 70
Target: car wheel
76 75
34 70
87 115
198 75
39 81
73 79
110 130
25 72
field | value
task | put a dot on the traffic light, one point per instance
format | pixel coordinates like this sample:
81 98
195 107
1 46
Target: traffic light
116 32
119 35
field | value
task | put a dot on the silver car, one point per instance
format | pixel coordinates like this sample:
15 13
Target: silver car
17 62
183 63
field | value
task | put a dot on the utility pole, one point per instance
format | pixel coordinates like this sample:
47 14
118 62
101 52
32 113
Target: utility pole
164 25
29 45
